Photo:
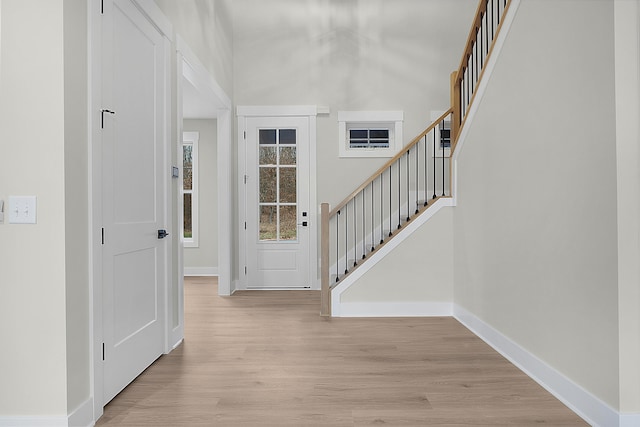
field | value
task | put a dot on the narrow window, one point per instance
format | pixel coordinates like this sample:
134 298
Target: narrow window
190 188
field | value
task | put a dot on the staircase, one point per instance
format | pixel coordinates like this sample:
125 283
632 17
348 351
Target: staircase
410 184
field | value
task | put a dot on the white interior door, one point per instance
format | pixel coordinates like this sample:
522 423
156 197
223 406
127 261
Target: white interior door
278 217
133 188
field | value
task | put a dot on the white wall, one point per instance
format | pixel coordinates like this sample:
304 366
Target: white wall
206 28
627 21
32 257
419 270
535 238
205 256
349 55
76 212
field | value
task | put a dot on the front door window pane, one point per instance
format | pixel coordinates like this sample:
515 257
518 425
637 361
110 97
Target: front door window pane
288 223
277 185
268 181
268 222
287 185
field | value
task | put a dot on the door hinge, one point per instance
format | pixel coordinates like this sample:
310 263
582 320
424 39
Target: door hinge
245 135
102 116
245 179
245 225
102 7
103 235
103 351
245 270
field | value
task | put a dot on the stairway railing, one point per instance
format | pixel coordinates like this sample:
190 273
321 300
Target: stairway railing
486 26
394 195
405 186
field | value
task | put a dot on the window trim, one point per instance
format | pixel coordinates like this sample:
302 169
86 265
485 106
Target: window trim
191 138
440 150
391 120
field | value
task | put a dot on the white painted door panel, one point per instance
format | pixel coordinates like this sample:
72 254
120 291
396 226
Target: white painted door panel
278 223
132 153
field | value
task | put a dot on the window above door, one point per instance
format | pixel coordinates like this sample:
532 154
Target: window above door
369 133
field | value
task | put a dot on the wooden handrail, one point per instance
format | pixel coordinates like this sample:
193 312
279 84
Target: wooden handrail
472 37
384 167
458 76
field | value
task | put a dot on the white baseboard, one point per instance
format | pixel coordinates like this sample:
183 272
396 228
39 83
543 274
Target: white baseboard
629 420
395 309
201 271
82 416
584 404
33 421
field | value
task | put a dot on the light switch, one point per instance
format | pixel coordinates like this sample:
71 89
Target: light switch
22 209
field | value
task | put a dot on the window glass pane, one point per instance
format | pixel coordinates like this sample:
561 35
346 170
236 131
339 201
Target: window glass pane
288 223
288 185
187 155
358 134
188 231
268 156
288 155
268 182
187 166
287 136
379 143
267 136
268 222
358 143
379 133
187 178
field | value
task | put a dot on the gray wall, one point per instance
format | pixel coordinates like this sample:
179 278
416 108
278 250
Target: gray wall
33 331
349 55
206 254
535 238
419 270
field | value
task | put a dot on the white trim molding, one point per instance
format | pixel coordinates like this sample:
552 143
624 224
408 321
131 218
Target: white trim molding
584 404
201 271
396 309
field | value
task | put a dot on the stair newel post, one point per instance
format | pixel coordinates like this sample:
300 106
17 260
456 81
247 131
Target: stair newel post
325 294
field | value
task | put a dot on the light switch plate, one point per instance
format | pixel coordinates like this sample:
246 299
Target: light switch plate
22 209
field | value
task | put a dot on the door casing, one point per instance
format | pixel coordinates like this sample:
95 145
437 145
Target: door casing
244 112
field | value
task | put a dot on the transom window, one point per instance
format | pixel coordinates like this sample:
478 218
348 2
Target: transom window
377 137
369 133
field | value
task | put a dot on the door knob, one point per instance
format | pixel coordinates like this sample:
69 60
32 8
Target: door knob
162 234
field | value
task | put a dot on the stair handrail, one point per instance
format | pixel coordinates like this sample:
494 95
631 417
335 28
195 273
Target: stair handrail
391 161
482 27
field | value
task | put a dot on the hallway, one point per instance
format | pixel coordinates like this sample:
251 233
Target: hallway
266 358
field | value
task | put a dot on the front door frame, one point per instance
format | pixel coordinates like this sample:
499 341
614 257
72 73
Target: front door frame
244 112
160 22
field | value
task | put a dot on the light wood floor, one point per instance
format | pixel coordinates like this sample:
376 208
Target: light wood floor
265 358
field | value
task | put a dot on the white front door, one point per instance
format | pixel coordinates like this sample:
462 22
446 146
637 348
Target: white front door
278 217
133 255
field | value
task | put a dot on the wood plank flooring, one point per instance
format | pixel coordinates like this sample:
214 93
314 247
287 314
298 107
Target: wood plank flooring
266 358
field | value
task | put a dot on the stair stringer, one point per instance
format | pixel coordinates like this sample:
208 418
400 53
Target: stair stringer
385 250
